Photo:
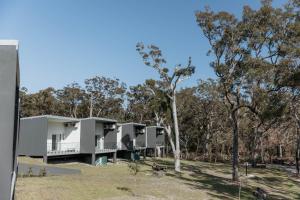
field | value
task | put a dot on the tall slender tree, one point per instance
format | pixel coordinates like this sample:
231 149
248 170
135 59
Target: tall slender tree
152 56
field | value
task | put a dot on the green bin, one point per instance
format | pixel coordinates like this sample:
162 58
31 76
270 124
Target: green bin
100 161
135 156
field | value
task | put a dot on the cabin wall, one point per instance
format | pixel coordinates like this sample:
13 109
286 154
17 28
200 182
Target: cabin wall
110 139
33 137
127 136
140 139
151 137
69 137
87 136
9 120
160 139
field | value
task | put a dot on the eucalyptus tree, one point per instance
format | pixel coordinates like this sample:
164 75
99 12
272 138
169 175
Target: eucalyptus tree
27 106
256 44
212 118
222 31
152 56
142 104
45 102
137 108
188 112
294 111
287 70
106 96
70 98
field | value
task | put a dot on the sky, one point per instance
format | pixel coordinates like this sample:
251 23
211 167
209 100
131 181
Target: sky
65 41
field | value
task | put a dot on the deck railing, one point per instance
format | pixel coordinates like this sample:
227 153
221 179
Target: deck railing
107 147
160 144
62 148
139 145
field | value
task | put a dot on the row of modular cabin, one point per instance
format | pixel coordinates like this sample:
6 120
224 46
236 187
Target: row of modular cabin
55 137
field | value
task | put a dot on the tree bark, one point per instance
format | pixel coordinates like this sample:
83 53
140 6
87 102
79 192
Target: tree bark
297 151
298 142
207 144
91 106
254 147
176 129
158 152
235 146
197 147
262 150
280 151
75 111
169 133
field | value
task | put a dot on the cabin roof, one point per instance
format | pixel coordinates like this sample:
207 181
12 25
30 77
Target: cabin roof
54 118
101 119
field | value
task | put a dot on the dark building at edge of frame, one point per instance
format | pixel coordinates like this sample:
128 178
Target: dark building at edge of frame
9 116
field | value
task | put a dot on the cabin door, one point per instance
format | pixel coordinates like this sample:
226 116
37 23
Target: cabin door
56 142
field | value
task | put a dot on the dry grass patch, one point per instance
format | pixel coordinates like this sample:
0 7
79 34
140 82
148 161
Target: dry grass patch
199 180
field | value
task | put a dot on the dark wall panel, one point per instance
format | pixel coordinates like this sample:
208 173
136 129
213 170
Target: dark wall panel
110 139
33 136
87 136
9 86
141 139
127 136
160 138
151 137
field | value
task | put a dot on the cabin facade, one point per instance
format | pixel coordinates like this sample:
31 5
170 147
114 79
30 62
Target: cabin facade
131 140
49 136
155 139
131 136
99 138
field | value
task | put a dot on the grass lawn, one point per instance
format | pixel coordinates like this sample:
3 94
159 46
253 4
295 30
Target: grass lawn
199 180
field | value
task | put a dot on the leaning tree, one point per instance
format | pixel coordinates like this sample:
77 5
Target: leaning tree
152 56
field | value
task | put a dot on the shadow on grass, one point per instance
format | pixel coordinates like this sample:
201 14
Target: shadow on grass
217 187
126 189
221 187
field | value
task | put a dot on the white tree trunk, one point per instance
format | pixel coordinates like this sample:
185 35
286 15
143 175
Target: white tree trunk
235 146
176 129
169 133
91 106
280 151
158 152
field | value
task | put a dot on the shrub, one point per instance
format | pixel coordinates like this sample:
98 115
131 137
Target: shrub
43 172
134 167
29 172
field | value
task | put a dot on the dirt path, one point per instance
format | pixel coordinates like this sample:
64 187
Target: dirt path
23 169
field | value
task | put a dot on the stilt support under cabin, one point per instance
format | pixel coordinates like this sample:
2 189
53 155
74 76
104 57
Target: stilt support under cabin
45 159
115 157
93 159
144 153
